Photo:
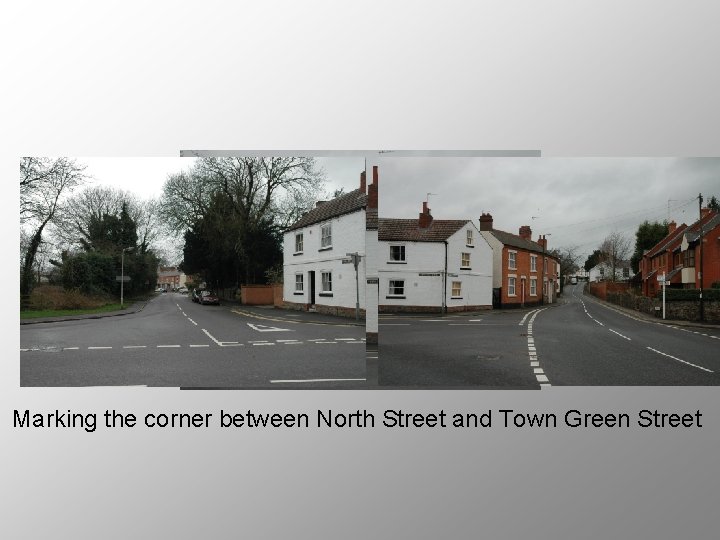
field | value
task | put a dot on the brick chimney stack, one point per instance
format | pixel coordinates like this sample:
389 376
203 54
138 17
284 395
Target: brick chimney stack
425 219
671 227
373 190
363 182
525 232
486 222
543 242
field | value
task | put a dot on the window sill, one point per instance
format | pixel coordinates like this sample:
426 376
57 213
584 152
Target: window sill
456 298
395 297
328 248
465 268
325 294
298 293
297 253
470 245
397 262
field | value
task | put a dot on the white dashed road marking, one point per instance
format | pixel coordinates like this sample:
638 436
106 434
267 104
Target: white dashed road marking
679 360
312 380
91 348
619 334
532 350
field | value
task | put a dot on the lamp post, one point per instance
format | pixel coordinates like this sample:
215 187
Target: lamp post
122 274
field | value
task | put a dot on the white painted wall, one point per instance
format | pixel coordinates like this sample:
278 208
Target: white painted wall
429 258
497 250
348 236
594 274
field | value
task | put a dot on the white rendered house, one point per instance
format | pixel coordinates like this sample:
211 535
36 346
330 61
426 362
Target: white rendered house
318 272
429 265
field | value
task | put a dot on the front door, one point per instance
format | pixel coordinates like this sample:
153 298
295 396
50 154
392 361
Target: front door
311 283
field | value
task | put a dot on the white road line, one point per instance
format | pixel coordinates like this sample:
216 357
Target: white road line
65 348
475 320
619 334
258 344
541 378
183 313
257 341
312 380
538 371
526 316
354 342
189 319
285 340
683 361
344 339
317 339
91 348
134 346
293 343
394 324
168 346
326 342
208 334
200 345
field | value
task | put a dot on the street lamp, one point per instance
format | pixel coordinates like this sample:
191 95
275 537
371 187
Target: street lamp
122 274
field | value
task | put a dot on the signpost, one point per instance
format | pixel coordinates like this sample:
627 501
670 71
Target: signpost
661 280
354 258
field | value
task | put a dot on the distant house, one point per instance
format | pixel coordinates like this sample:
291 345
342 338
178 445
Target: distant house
524 273
171 277
316 269
678 256
603 272
432 265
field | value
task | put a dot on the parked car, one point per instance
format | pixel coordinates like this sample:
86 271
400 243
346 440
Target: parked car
207 297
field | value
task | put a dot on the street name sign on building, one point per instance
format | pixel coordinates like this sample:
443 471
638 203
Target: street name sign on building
429 274
122 278
372 281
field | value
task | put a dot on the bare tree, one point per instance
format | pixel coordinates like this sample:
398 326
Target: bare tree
43 183
568 258
93 203
615 251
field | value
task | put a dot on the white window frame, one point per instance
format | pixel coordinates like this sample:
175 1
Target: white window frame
512 285
392 287
301 282
463 255
299 242
325 239
469 237
324 282
453 288
401 249
533 263
512 260
533 286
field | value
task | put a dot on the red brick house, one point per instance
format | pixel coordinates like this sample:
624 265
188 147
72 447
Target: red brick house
678 257
524 273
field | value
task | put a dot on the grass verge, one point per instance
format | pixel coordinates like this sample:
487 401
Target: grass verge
35 314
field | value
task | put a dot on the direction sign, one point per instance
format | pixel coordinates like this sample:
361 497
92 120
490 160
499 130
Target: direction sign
122 278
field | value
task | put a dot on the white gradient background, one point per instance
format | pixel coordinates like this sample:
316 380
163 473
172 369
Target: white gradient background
570 78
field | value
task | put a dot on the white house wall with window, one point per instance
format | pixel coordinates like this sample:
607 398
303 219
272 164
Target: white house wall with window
427 265
314 248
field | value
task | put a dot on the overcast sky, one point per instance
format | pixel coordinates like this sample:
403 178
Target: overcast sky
145 176
577 201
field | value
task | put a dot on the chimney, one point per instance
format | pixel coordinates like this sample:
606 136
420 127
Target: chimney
425 219
319 203
373 190
362 182
671 227
704 212
486 222
543 242
525 232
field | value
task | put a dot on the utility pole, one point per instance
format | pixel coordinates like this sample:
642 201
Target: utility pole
355 259
700 273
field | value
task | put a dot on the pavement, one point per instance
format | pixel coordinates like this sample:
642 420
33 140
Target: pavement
644 316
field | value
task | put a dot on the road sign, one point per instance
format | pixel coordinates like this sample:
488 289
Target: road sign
347 261
122 278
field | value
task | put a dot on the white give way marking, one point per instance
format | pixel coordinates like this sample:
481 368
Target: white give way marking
263 328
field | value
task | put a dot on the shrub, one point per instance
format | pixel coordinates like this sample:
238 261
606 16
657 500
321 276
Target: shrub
54 297
689 294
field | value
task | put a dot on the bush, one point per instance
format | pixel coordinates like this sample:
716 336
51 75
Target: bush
715 285
53 297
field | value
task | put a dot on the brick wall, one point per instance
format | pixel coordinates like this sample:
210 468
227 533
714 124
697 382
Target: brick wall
257 295
603 288
683 310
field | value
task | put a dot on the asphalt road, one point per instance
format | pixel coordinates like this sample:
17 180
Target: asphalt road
175 342
586 342
487 350
578 341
